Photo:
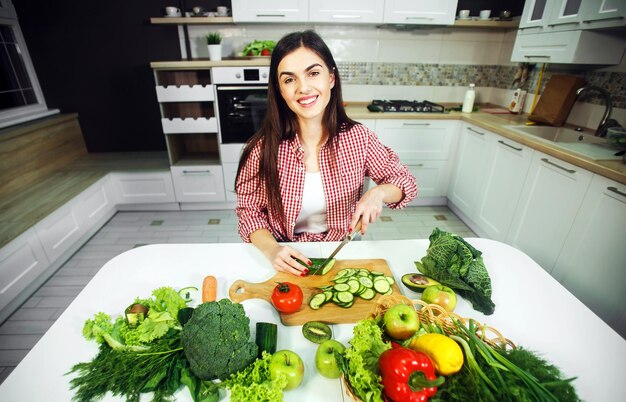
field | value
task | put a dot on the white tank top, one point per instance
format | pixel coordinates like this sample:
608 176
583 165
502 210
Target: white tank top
312 217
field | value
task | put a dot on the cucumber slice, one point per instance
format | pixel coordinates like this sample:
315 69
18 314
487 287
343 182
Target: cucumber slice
376 273
382 286
347 305
342 287
390 280
366 281
354 285
345 297
317 301
343 279
328 294
368 294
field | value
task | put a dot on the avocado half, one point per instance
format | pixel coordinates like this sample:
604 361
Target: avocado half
418 282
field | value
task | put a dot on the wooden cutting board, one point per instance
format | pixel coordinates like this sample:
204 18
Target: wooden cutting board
330 313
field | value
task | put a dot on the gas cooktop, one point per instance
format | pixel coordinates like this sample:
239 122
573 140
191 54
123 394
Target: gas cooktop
404 106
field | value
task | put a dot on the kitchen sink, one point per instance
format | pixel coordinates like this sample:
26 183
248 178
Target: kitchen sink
581 142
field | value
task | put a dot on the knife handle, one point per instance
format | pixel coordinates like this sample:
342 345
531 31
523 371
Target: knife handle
356 230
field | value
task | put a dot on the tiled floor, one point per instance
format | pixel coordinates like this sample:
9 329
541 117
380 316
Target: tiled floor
127 230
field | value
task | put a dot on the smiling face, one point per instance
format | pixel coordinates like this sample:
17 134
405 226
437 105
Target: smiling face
305 83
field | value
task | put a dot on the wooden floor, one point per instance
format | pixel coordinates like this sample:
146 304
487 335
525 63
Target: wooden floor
126 230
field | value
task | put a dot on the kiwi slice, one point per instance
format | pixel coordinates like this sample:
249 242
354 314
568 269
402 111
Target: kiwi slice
316 331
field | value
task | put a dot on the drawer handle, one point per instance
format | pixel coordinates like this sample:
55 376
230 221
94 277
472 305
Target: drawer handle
474 131
537 56
197 171
616 191
340 16
271 15
558 166
420 18
510 146
416 124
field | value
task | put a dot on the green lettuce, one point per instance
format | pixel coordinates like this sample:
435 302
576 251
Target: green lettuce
457 264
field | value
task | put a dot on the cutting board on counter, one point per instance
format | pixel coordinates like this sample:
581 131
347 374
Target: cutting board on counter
330 313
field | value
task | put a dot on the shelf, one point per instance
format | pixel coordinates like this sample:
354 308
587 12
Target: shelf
189 125
185 93
494 24
191 20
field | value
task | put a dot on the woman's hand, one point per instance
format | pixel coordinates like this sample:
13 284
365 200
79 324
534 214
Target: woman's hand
370 205
283 259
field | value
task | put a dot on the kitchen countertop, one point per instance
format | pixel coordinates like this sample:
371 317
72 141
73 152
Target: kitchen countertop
542 316
612 169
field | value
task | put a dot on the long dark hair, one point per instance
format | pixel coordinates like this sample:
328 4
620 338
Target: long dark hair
281 123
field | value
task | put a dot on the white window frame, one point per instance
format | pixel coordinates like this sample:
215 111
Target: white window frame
16 115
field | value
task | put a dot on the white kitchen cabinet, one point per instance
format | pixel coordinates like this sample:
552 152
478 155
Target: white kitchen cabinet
347 11
199 183
143 187
507 166
60 231
603 14
469 172
536 13
230 174
570 47
270 10
420 12
550 199
425 146
565 14
96 204
416 141
21 261
591 263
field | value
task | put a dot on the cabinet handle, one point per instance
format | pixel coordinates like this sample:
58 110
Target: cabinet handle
197 171
558 166
416 124
340 16
616 191
474 131
271 15
537 56
510 146
420 18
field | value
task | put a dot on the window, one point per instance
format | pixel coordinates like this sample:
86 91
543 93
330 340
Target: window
21 98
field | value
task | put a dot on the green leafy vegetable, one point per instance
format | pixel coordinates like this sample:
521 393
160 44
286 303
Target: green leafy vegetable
457 264
361 360
216 340
256 47
254 383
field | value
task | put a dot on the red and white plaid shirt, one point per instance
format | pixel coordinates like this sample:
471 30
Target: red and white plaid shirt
358 153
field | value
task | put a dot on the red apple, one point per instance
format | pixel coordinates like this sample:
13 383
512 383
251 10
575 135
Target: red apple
401 321
440 295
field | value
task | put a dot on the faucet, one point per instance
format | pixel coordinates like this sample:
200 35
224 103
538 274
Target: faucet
605 123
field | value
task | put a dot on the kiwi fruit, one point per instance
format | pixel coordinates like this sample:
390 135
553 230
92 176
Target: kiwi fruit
316 331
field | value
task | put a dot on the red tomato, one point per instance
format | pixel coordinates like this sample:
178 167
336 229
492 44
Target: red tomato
265 52
287 297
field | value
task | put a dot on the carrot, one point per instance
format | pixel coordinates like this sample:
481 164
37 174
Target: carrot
209 289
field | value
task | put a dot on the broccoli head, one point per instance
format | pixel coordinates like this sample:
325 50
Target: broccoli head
216 340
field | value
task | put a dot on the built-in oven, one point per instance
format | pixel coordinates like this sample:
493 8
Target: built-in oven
241 104
241 97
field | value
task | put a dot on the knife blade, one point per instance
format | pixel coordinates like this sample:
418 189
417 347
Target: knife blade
345 241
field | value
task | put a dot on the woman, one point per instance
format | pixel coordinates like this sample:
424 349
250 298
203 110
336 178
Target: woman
300 177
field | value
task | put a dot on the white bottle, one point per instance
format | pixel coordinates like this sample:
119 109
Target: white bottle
468 101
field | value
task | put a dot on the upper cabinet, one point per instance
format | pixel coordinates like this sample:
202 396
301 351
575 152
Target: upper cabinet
567 31
347 11
415 12
270 10
420 12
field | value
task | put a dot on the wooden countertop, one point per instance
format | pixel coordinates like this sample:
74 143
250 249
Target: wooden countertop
612 169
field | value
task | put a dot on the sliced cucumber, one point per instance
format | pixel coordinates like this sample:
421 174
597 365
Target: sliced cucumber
390 280
366 281
368 294
317 301
382 286
342 287
345 297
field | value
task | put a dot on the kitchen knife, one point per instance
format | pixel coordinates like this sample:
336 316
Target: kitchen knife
345 241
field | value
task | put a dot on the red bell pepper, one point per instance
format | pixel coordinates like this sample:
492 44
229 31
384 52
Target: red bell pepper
407 375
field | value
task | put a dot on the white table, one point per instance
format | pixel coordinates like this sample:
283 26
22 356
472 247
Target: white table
532 309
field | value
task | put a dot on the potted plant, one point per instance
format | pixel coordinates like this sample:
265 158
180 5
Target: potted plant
214 43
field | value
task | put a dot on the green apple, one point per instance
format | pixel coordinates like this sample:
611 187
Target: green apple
325 361
290 365
441 295
401 321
